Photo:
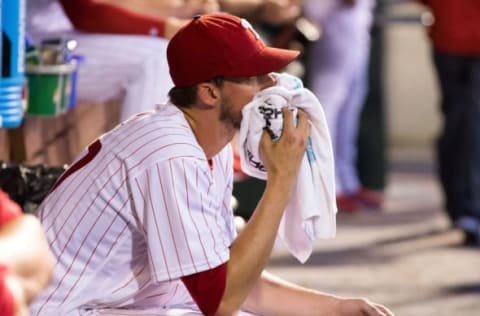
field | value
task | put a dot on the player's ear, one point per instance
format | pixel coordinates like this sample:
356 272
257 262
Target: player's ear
208 93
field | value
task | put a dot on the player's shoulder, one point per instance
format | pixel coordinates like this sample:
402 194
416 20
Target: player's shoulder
152 137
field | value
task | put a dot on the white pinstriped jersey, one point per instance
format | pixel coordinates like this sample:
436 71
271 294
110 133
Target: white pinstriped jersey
144 211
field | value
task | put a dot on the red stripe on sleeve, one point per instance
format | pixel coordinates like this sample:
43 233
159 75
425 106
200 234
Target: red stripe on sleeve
8 209
93 150
89 16
7 304
207 287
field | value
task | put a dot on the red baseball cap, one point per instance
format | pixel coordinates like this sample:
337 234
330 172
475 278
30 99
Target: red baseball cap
221 44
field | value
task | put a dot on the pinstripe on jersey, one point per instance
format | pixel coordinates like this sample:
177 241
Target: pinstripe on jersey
146 210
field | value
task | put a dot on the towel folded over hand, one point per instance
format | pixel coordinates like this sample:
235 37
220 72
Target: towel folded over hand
311 212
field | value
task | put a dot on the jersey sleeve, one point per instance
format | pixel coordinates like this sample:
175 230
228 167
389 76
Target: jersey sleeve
8 209
181 209
91 16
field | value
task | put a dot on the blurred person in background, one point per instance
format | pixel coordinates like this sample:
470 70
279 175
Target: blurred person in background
455 38
123 42
25 260
338 75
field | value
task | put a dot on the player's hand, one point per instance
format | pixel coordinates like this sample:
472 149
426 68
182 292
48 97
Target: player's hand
361 307
185 12
17 291
282 157
278 12
192 7
172 25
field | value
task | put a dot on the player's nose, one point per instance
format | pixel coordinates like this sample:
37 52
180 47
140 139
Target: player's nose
266 81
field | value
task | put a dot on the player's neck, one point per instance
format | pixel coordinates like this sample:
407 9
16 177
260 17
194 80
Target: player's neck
212 134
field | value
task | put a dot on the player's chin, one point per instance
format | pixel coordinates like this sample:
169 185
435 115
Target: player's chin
237 124
238 121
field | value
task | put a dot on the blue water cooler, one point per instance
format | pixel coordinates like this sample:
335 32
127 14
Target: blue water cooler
12 67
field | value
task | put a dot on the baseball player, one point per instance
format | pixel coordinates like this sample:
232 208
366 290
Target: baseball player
141 222
25 261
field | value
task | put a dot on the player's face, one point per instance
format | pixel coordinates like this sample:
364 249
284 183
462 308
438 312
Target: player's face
229 115
237 93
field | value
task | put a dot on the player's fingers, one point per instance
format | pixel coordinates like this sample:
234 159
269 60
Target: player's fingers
384 310
267 136
266 143
374 310
302 122
295 134
266 139
288 122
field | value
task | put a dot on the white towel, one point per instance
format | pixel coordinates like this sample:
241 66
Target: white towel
312 209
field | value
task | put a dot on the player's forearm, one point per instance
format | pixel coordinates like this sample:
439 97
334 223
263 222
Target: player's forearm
25 252
244 8
251 249
274 296
98 17
161 8
150 7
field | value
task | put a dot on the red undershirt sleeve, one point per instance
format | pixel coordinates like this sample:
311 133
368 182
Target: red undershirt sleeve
207 287
7 306
89 16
